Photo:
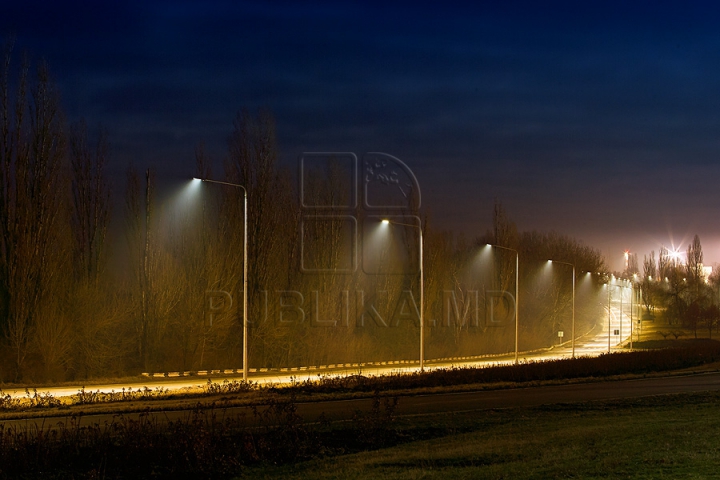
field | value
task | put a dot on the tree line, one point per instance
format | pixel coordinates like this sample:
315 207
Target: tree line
80 300
681 293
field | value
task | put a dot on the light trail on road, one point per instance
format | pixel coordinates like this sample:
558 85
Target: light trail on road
588 345
407 405
591 346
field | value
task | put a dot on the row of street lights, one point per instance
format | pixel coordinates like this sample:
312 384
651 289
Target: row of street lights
422 291
422 285
621 286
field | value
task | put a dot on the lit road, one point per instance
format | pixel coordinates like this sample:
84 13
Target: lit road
593 343
427 404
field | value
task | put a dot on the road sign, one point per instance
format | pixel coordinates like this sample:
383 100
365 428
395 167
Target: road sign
560 334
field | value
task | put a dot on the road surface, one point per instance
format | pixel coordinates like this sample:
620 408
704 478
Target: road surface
337 410
592 344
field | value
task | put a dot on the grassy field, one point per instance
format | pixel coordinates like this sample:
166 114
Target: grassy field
662 437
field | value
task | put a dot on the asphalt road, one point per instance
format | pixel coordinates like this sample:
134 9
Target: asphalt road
337 410
589 345
525 397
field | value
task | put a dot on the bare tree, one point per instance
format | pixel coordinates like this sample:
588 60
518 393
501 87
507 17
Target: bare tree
694 267
32 149
91 200
95 319
648 285
504 234
272 228
139 215
664 263
632 268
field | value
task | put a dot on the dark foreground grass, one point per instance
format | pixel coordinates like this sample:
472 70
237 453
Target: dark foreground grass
204 444
666 436
663 437
673 436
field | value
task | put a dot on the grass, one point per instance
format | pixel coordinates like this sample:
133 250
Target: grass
672 436
203 444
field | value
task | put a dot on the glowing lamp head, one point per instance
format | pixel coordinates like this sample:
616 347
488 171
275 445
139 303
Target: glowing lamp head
385 221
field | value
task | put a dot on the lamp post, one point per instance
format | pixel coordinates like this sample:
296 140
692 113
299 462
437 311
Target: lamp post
632 298
572 341
517 301
385 221
636 302
245 269
609 285
631 309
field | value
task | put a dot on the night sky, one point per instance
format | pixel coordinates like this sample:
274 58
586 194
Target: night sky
596 120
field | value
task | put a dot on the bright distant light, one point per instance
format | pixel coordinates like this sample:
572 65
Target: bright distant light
385 221
677 255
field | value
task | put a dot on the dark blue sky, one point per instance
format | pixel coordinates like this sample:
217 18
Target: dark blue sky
598 120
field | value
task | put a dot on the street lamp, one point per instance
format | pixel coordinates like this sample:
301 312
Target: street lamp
517 301
572 341
609 285
245 269
621 286
625 285
632 299
385 221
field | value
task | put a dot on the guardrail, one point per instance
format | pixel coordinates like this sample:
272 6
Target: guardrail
238 371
